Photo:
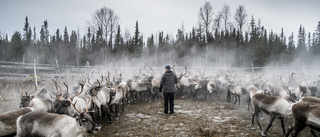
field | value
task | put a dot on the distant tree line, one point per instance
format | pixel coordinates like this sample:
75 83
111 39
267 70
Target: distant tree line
219 39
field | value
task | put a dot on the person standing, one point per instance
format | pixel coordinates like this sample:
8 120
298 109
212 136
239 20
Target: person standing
168 82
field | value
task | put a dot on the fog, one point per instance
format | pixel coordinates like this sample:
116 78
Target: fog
209 61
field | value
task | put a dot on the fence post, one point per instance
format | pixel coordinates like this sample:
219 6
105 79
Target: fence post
35 73
57 62
87 66
23 59
252 67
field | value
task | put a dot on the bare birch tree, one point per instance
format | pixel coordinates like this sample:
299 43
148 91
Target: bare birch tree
225 16
206 18
241 18
106 20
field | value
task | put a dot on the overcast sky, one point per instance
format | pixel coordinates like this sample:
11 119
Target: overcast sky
154 15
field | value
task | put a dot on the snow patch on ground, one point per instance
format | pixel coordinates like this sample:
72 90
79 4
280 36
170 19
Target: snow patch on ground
139 115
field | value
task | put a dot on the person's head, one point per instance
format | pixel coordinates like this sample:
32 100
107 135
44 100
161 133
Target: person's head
167 67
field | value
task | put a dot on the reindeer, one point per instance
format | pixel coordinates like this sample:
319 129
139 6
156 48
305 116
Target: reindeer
100 97
8 120
67 106
39 104
140 87
222 82
211 87
251 89
120 91
298 90
185 83
235 90
201 85
155 83
49 125
273 106
305 113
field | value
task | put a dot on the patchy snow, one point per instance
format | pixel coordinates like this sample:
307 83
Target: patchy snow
139 116
143 116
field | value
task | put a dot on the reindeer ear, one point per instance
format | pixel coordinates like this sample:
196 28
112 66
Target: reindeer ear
77 116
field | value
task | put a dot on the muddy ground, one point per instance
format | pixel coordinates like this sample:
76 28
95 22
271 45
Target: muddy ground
192 118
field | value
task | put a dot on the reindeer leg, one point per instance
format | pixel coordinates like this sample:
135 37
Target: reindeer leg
108 114
257 119
195 94
255 114
239 100
249 104
228 96
100 117
313 134
206 94
117 111
282 125
252 121
123 99
297 129
270 124
236 99
289 131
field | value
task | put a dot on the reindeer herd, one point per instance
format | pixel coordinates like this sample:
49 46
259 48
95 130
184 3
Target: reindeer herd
78 108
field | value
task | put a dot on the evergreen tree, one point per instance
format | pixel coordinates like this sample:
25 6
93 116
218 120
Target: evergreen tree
151 46
137 45
27 33
118 44
291 48
44 39
316 41
301 45
17 47
44 33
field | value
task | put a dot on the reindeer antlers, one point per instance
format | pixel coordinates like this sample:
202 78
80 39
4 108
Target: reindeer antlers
82 85
27 93
185 71
293 79
173 69
85 111
57 85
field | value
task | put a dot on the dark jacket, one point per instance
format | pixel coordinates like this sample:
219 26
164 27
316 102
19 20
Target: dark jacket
168 81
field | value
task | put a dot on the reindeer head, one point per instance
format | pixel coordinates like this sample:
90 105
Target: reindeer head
85 121
94 89
64 106
26 97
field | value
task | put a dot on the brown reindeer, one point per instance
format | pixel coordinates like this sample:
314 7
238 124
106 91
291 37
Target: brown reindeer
271 105
305 113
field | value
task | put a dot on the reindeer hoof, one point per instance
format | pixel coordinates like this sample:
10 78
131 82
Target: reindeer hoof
252 127
263 134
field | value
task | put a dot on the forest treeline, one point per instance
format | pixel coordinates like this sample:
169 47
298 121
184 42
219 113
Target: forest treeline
219 39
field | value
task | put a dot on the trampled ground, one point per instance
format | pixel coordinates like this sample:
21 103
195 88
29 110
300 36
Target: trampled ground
215 118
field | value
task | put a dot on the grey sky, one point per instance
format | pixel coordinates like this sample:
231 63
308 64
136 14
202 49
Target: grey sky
154 15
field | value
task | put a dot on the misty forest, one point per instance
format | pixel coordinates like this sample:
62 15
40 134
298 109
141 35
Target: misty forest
220 39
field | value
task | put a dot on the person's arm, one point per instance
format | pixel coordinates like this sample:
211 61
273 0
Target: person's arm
161 83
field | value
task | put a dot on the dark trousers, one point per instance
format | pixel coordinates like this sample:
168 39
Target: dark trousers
168 97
